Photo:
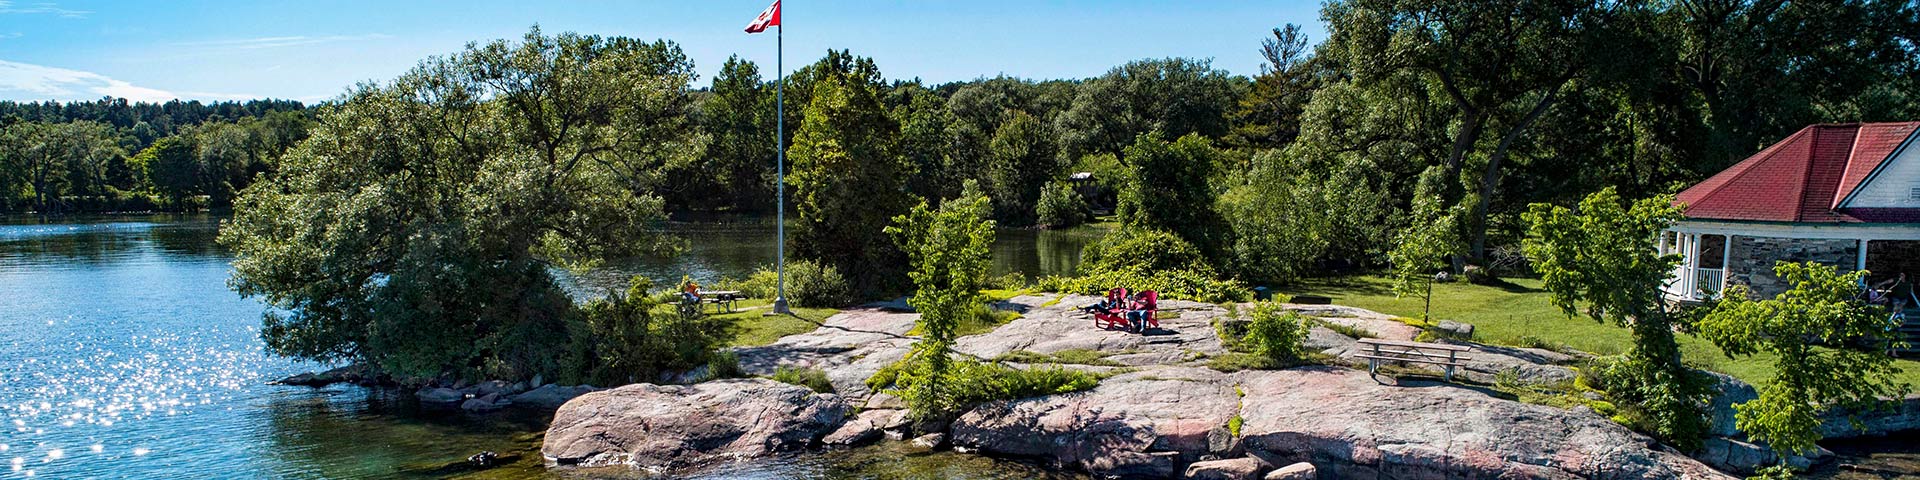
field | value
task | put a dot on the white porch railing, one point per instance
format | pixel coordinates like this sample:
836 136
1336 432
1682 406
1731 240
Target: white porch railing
1711 280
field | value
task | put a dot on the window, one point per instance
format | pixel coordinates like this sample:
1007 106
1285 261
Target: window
1914 195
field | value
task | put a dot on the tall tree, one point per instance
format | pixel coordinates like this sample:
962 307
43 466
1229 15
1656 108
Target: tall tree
1269 115
739 118
1599 257
1023 161
1173 96
848 184
1167 190
416 229
948 248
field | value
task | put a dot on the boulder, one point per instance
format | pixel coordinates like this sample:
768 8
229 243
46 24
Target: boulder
930 441
1243 468
664 427
850 347
1137 423
1727 392
1297 471
1186 332
485 403
440 396
1352 426
1743 457
549 396
857 431
1455 329
1893 417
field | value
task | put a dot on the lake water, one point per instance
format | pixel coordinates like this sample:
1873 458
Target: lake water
124 355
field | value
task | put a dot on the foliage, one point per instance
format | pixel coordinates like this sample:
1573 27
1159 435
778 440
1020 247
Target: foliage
1023 162
622 338
1600 255
738 118
1171 284
1296 215
1268 116
1830 348
1423 248
1172 96
948 248
1167 190
1142 251
1060 206
1276 333
1079 356
971 382
416 228
847 184
812 378
724 364
816 285
1147 260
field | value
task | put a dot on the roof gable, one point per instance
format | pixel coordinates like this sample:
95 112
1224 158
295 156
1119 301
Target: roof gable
1806 177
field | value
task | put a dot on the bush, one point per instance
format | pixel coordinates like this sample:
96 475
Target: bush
724 364
1276 333
763 283
618 339
1142 251
812 378
1478 275
1060 206
811 284
970 382
1010 281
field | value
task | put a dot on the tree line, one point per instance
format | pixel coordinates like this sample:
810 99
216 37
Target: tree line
111 155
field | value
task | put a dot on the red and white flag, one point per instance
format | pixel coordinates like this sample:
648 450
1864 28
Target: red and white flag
769 18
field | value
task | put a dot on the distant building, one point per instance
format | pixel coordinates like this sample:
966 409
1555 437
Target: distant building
1842 194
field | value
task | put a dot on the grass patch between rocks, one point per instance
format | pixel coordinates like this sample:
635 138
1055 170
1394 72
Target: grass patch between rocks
1077 356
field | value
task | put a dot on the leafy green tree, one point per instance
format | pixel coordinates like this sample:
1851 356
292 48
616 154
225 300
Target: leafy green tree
1602 256
949 249
172 170
1172 96
848 184
925 142
1422 249
1061 206
1023 162
1830 348
1292 215
621 338
417 227
738 116
1167 189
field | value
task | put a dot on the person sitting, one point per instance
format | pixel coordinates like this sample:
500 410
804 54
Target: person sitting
1140 310
690 293
1116 300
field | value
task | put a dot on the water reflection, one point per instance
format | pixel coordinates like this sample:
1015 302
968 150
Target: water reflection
124 355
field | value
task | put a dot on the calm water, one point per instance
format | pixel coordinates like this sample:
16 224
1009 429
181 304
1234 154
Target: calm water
124 355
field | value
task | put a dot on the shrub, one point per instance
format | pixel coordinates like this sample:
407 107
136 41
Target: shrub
811 284
812 378
1276 333
1142 251
763 283
618 339
1478 275
1061 206
971 382
724 364
1173 284
1010 281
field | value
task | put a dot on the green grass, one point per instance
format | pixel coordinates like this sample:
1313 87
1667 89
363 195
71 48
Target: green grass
1079 356
1509 314
752 327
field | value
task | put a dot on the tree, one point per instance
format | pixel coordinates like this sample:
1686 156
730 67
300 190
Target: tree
1829 348
1602 256
848 184
925 143
1167 189
416 228
1061 206
738 116
1269 115
949 250
1422 249
1173 96
1023 161
171 170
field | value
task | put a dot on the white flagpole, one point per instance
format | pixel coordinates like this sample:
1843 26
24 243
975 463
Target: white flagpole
780 166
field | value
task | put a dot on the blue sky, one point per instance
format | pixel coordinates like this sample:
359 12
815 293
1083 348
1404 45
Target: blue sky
315 49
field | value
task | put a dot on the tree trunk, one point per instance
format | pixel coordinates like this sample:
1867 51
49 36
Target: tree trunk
1490 179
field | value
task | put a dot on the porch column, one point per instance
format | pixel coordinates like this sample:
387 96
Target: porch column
1726 262
1863 256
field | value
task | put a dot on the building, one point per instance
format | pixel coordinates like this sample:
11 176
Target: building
1842 194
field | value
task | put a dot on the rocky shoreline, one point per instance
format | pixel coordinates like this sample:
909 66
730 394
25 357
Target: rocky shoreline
1161 413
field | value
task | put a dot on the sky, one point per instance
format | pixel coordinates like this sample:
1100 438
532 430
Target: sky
315 50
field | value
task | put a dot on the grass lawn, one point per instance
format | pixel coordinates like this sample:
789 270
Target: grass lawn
751 326
1509 315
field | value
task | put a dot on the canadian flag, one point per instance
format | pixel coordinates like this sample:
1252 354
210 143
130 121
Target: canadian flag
768 18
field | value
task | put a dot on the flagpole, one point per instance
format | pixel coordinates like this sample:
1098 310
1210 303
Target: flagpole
780 167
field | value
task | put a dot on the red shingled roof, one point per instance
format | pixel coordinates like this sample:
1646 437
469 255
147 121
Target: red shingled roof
1803 178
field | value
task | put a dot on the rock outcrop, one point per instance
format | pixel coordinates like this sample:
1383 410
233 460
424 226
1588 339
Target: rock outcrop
653 426
1141 423
1353 426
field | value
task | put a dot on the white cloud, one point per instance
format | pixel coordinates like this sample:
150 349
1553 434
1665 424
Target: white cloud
41 8
24 81
277 42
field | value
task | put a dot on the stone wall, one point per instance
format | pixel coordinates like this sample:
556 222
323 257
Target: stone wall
1753 258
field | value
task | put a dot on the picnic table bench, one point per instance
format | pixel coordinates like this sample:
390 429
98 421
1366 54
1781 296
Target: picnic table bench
1377 350
722 301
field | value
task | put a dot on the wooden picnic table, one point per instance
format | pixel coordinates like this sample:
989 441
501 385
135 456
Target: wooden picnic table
1444 355
721 299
